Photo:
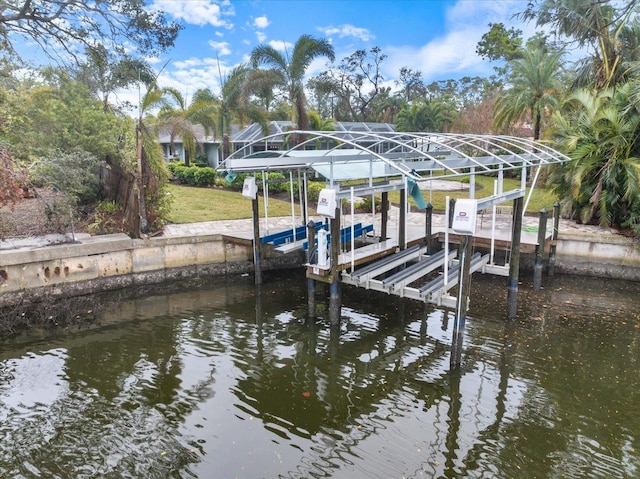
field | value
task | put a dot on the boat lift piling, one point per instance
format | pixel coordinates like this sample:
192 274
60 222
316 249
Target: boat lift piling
514 261
335 296
428 228
554 239
462 301
542 233
311 283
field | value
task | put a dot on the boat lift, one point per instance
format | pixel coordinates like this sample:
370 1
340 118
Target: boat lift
377 160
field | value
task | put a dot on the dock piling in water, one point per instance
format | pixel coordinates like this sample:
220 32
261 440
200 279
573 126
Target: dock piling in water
542 233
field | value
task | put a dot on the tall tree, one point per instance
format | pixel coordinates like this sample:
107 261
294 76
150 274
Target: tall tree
70 26
291 70
356 83
180 119
412 84
598 26
431 116
535 90
104 73
234 105
500 43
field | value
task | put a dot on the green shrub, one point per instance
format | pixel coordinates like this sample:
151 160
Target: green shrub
313 190
107 219
201 161
205 176
73 173
194 175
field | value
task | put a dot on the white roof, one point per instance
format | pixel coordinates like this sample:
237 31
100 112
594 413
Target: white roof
365 154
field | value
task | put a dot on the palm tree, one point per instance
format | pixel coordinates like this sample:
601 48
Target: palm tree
600 27
426 115
234 105
599 131
317 123
150 169
180 120
535 89
291 71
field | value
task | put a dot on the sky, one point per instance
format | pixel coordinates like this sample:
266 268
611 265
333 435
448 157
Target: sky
436 37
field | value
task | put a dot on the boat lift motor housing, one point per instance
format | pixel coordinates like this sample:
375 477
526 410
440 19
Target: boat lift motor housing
249 188
327 203
465 215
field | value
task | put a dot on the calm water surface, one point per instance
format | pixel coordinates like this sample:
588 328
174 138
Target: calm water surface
225 380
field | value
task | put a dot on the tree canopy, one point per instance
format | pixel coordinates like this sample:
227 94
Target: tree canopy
65 28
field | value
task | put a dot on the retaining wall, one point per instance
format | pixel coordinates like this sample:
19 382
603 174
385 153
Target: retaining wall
116 261
604 256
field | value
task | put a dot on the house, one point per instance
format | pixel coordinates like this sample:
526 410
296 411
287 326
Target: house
208 145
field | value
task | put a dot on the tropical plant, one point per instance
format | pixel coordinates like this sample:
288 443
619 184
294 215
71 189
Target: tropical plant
601 28
600 130
104 73
180 120
234 105
433 116
535 89
291 71
150 173
316 123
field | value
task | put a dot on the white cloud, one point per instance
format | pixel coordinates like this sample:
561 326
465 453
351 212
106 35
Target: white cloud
196 73
261 37
261 22
281 45
197 12
221 47
454 53
347 30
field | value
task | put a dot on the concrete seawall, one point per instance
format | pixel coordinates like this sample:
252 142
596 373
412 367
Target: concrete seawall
601 255
116 261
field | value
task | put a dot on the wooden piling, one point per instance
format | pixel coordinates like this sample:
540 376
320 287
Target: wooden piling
257 244
514 262
428 228
402 237
335 299
554 239
462 301
384 216
542 233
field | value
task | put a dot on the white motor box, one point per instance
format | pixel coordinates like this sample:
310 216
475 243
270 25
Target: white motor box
327 203
249 188
465 215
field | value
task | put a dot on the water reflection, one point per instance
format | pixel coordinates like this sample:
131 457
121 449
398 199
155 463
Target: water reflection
226 380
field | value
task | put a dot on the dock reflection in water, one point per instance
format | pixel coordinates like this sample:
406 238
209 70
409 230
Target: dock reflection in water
226 380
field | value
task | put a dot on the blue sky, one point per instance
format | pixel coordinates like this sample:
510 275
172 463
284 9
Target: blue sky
437 37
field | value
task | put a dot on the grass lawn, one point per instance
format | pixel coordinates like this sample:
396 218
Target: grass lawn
192 205
541 198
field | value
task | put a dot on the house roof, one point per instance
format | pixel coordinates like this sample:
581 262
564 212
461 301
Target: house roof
164 136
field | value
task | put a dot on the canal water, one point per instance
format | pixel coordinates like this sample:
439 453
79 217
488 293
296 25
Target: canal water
227 380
